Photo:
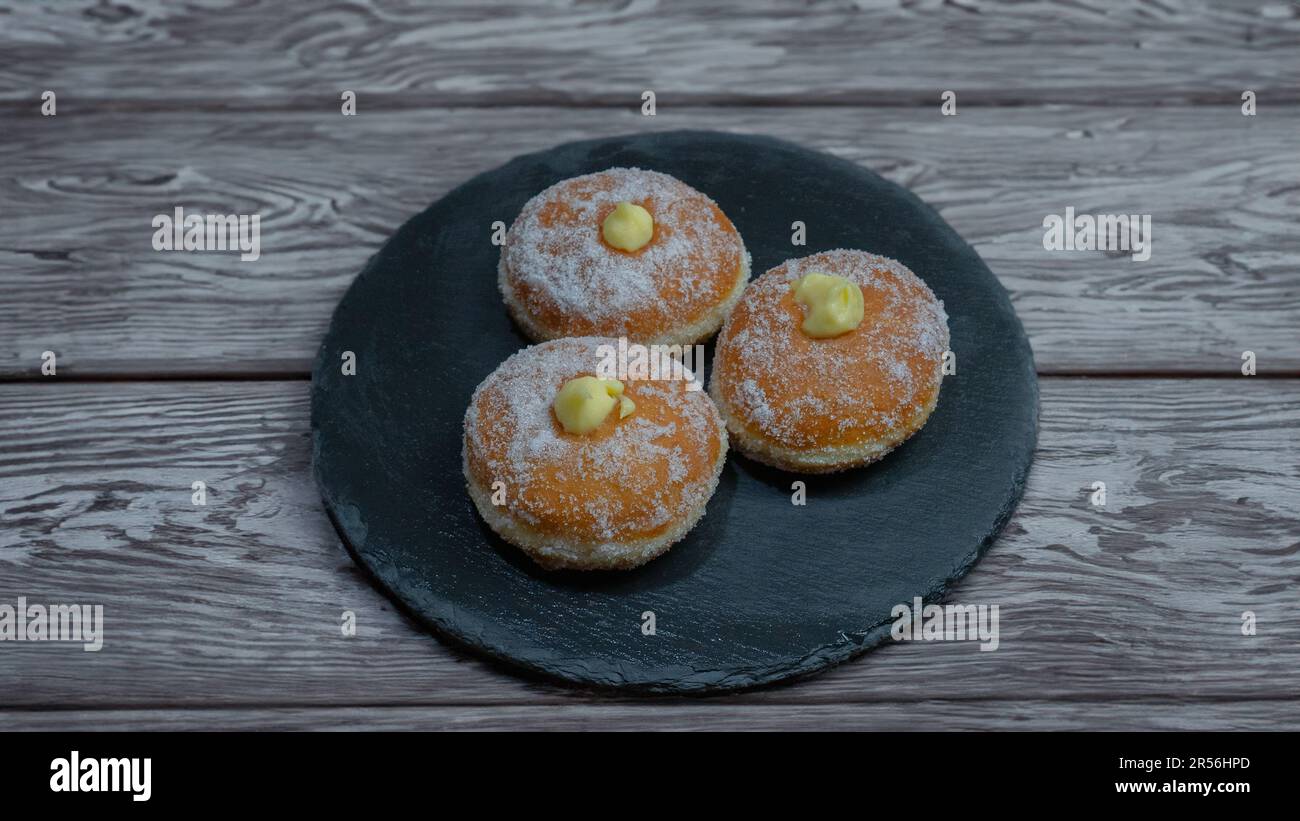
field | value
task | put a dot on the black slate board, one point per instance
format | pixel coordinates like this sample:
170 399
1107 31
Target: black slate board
761 591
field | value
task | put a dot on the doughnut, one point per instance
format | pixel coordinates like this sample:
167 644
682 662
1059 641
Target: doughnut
819 405
613 497
560 276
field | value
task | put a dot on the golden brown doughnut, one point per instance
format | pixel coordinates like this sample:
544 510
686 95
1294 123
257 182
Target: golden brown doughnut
822 405
560 278
610 499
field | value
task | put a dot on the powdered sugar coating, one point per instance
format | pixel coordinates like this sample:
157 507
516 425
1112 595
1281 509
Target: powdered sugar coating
630 478
874 384
556 268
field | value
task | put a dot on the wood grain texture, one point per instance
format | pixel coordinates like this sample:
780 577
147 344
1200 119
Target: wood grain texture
148 53
713 715
78 193
238 604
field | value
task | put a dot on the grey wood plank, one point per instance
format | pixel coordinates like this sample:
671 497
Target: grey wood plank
716 715
149 53
78 193
238 603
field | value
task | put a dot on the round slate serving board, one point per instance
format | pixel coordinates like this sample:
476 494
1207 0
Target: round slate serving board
761 590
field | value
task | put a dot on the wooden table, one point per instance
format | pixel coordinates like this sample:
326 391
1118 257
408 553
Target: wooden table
179 367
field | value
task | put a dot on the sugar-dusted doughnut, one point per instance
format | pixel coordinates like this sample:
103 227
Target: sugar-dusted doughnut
623 252
616 494
818 404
